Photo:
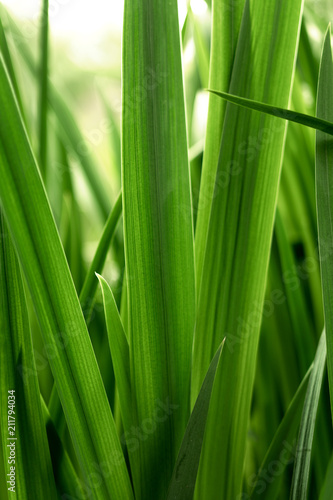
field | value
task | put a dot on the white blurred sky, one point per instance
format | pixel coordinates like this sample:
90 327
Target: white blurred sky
85 18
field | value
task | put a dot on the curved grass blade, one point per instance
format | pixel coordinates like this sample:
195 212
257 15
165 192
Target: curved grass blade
324 196
305 438
158 234
286 114
119 351
43 86
24 432
282 448
184 475
57 306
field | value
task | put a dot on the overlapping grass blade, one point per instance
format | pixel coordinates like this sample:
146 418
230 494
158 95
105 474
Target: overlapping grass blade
309 121
43 81
239 236
65 475
282 448
184 475
327 488
226 19
309 414
158 234
57 306
324 194
24 438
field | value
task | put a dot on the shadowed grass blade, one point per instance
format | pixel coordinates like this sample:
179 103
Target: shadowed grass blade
305 437
184 476
24 440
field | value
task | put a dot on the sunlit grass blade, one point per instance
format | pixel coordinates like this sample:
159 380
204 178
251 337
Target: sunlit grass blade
305 437
239 235
57 306
286 114
158 233
184 475
226 19
324 194
43 79
24 442
282 448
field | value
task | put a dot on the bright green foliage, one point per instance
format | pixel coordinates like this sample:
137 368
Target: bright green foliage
158 234
190 371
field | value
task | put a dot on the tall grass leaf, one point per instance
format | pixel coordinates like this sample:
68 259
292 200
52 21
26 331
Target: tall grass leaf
24 440
57 306
89 287
226 19
43 79
119 350
184 475
239 237
282 447
324 190
158 234
305 437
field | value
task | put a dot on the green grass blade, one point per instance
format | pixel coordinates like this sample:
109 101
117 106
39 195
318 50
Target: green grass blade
43 79
286 114
305 437
184 475
89 287
31 456
226 19
327 488
119 350
282 447
239 237
57 306
67 480
324 190
158 232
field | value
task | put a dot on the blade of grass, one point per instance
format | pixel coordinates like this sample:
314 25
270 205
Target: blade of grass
324 190
327 488
281 450
24 432
286 114
226 19
239 237
43 82
57 306
184 475
158 234
309 414
65 475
